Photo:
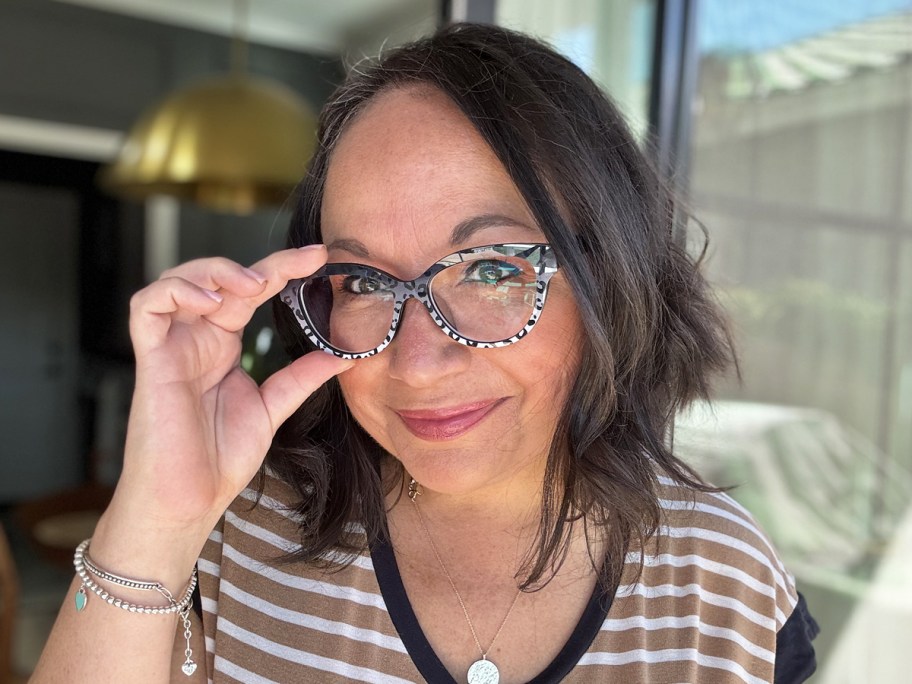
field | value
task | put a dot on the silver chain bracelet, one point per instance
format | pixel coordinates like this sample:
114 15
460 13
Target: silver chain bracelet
86 567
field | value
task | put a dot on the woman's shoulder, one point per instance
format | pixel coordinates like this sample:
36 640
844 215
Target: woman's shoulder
711 538
264 522
703 599
265 509
263 611
713 517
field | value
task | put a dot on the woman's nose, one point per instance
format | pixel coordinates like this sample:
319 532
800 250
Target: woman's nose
421 354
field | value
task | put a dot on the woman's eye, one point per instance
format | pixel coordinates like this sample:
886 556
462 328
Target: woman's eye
362 285
490 272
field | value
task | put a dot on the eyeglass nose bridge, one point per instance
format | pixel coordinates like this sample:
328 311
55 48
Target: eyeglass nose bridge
419 290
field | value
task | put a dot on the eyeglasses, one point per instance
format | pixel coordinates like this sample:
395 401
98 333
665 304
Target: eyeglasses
481 297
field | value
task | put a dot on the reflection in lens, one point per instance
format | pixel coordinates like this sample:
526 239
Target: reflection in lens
486 298
352 311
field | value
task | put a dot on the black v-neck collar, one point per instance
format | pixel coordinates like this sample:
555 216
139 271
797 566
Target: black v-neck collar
403 616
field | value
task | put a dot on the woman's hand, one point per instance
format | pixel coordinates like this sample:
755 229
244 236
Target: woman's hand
199 425
199 429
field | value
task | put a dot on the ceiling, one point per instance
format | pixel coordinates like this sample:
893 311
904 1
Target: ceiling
320 26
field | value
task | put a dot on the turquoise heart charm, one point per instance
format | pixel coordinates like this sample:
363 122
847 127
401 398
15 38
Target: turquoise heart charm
81 599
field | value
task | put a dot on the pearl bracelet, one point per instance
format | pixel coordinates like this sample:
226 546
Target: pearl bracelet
85 565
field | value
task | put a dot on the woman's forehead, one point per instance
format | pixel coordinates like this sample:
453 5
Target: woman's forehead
411 168
406 134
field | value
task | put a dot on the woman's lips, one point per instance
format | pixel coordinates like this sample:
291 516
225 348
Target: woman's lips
446 423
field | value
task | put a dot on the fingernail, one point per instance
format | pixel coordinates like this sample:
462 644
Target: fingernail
213 295
259 277
312 247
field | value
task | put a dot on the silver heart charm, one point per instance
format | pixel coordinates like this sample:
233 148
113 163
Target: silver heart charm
188 668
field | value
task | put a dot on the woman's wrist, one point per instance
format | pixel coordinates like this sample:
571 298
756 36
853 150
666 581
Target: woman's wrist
145 551
102 583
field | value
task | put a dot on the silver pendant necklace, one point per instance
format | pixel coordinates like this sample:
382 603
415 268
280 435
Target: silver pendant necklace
482 671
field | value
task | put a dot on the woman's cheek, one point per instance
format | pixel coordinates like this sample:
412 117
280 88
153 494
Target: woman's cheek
362 394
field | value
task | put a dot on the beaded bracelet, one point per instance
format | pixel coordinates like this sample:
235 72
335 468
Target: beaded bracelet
85 565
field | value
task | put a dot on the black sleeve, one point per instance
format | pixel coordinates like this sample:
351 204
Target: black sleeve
795 659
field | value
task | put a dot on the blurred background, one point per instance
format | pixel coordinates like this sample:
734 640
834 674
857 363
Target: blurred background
125 148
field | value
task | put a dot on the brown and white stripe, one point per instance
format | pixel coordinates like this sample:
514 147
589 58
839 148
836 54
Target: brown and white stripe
706 608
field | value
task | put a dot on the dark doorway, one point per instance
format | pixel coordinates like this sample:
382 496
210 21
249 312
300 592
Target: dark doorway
71 257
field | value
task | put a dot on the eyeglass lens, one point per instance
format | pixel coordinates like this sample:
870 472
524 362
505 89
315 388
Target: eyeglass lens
485 298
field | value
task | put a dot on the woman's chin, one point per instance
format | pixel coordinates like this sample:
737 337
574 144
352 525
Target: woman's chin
463 472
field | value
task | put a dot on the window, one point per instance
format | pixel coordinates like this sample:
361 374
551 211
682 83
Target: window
801 170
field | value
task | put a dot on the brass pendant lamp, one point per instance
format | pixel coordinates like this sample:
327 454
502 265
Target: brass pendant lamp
230 143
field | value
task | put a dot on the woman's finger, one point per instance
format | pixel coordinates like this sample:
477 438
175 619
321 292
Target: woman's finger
218 273
278 268
284 391
224 292
153 309
286 264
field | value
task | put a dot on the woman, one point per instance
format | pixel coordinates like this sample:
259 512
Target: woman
474 484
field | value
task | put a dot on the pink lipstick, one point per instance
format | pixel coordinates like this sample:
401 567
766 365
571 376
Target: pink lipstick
446 423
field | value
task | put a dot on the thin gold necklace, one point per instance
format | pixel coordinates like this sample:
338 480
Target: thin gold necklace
481 671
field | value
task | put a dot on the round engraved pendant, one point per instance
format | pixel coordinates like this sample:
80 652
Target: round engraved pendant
483 672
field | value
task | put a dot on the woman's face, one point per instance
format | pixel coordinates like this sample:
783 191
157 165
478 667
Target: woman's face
409 170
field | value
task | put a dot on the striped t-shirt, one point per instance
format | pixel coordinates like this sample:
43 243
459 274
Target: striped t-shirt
707 607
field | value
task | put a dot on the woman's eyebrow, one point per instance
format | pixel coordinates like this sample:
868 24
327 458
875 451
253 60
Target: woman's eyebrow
462 232
465 229
355 247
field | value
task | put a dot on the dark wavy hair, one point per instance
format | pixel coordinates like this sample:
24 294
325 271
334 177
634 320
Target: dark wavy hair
653 333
